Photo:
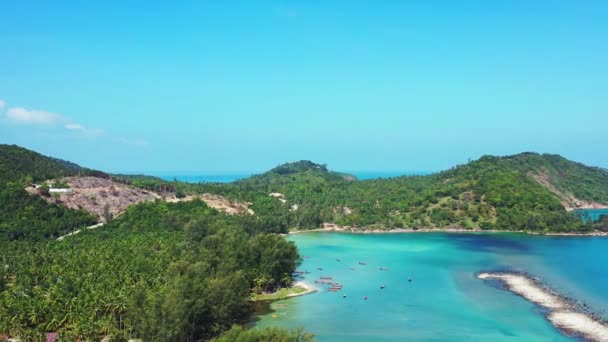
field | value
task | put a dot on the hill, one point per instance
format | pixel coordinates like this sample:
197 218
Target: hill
24 216
528 191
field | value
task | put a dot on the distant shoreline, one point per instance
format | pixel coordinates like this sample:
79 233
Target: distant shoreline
564 313
346 229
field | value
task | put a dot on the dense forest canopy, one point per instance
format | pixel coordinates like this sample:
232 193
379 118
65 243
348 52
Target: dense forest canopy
186 272
161 271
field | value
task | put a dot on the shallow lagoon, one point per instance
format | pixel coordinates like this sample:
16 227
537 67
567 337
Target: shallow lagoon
444 301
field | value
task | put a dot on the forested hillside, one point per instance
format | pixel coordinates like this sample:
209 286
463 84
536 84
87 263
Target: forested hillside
184 271
24 216
522 192
160 272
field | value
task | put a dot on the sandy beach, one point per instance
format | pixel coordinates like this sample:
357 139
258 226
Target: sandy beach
353 230
564 315
308 287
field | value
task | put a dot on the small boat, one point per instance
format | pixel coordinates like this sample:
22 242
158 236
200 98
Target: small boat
409 279
381 286
344 295
317 282
337 259
362 263
320 268
326 277
365 298
352 268
334 289
384 269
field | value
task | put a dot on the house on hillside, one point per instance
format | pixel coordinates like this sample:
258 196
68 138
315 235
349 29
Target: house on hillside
59 191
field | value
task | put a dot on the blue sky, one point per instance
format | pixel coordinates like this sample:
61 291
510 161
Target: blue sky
240 86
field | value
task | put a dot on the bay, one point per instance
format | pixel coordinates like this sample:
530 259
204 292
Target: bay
444 301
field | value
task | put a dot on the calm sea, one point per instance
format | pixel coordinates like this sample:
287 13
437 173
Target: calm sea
227 178
444 301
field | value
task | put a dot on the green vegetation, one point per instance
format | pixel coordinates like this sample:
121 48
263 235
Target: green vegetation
159 272
238 334
184 271
490 193
282 293
24 216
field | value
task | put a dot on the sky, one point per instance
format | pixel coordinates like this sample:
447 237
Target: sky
241 86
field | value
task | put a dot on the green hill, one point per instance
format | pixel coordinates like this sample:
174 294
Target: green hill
17 162
24 216
527 191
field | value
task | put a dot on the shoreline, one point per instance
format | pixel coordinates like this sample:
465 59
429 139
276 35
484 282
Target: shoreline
278 295
567 316
347 229
308 287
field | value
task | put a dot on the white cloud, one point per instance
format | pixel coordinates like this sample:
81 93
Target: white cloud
91 132
2 104
33 117
25 116
75 127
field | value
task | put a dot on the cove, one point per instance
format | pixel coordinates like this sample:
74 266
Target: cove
444 301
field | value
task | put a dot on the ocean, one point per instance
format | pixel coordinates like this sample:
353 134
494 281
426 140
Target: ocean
227 178
444 301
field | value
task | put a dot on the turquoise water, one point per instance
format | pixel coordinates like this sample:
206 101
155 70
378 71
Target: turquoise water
591 215
444 301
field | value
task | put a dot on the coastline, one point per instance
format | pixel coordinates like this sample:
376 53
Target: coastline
299 288
308 289
563 313
348 229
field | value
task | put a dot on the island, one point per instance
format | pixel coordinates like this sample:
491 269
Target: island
168 260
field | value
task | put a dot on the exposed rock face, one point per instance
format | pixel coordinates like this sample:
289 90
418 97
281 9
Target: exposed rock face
568 200
95 194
